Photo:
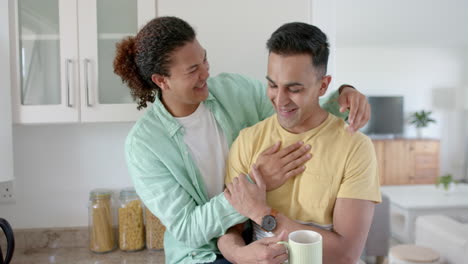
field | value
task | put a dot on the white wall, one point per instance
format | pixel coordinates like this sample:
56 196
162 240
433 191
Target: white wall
421 23
57 165
464 91
323 15
234 33
428 78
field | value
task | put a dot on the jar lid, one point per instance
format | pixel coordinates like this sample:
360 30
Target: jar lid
100 193
128 192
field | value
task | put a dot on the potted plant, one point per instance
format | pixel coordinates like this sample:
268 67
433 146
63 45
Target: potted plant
421 120
447 182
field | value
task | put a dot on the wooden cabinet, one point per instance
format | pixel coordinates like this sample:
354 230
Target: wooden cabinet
62 54
407 161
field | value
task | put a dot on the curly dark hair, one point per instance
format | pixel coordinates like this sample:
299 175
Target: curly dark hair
149 52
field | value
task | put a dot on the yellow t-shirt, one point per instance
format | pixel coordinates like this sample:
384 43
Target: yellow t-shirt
343 165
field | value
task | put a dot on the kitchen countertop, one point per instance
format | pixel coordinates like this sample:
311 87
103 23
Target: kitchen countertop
84 256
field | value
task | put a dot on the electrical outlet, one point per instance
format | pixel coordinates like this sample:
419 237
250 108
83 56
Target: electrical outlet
6 192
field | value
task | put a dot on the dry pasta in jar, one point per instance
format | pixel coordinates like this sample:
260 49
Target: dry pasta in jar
131 221
101 228
154 232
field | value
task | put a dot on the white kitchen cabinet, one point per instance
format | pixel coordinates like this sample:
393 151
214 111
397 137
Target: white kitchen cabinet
62 59
6 133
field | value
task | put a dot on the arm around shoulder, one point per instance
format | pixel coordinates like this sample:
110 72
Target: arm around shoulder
331 105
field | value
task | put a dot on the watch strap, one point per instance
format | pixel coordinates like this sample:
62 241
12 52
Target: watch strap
344 86
274 212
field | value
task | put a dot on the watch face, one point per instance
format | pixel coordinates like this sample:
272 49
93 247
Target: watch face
269 223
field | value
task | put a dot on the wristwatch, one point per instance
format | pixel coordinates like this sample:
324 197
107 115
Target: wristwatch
269 221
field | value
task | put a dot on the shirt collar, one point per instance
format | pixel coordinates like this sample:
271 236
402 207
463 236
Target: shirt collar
168 121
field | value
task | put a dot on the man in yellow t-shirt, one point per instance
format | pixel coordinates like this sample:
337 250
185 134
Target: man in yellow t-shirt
336 193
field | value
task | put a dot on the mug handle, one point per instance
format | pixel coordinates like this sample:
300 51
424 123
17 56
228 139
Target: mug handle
10 240
286 245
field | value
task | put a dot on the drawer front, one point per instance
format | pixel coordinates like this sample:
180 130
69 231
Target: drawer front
426 172
425 146
426 161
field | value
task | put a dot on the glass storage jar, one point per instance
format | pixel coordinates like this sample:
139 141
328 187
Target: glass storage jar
131 225
101 229
154 232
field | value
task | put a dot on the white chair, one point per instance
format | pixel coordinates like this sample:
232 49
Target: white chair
446 235
413 254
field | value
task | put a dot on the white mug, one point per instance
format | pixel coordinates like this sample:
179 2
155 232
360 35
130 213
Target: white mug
304 247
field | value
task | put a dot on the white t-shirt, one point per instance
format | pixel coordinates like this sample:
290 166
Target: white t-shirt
201 127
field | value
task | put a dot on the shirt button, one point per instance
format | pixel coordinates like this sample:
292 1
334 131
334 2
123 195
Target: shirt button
194 253
186 152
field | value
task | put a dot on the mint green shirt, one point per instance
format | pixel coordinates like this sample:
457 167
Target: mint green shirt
167 179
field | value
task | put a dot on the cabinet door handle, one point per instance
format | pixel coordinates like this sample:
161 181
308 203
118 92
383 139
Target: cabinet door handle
86 79
67 74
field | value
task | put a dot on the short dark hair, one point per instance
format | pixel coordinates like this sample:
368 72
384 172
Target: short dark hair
149 52
301 38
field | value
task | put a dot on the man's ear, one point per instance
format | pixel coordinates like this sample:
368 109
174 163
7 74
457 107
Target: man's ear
160 81
326 80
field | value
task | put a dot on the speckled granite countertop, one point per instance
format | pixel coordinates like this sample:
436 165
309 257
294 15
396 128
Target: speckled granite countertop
84 256
69 246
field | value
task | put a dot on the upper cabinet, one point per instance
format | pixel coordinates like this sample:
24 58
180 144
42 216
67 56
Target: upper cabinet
62 59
